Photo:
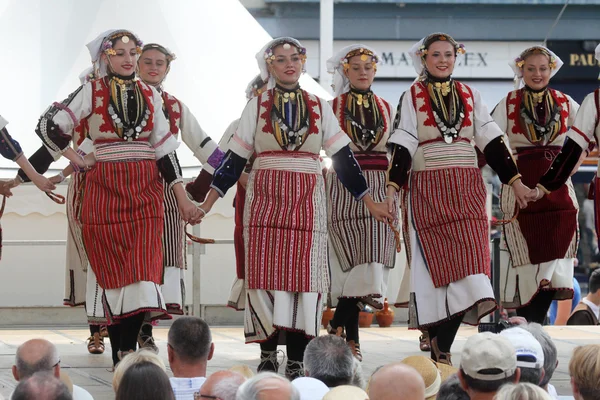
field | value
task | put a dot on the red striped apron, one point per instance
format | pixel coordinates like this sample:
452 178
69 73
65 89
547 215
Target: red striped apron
449 216
122 215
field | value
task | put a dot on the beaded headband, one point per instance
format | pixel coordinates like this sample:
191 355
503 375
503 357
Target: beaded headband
520 61
459 47
155 46
287 43
107 45
364 56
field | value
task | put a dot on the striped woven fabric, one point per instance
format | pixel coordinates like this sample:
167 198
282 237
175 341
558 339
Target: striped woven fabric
439 154
122 222
173 237
448 210
74 200
285 225
124 151
357 237
550 220
404 209
238 231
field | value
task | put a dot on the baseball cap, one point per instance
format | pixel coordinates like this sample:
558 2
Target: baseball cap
486 350
529 351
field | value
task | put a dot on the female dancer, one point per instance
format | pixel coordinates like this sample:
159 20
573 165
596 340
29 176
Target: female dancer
364 247
154 65
535 120
285 228
122 210
450 259
580 138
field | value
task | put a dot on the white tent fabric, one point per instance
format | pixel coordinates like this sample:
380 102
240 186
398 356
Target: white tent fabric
44 46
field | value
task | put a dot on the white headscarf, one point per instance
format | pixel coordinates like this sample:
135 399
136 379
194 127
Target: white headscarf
256 83
416 54
335 66
263 54
516 65
95 48
87 75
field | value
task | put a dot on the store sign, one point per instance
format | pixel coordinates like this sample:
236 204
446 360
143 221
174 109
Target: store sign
579 61
487 60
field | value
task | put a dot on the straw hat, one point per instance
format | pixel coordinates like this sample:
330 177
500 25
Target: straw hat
346 392
433 373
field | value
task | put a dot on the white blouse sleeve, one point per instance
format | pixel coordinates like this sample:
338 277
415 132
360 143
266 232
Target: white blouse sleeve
406 133
499 115
573 108
228 135
161 137
204 148
486 129
586 122
334 138
242 142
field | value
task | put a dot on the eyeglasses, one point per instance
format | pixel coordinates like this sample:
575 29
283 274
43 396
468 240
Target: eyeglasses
198 396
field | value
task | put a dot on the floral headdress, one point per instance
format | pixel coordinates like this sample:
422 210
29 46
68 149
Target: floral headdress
340 63
155 46
419 50
265 57
107 45
554 62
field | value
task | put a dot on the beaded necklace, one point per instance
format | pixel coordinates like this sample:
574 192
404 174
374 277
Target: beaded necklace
127 108
447 107
363 120
541 115
290 117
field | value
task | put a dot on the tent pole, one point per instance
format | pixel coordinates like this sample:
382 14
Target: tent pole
325 42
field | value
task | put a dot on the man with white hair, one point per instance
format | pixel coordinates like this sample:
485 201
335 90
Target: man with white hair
39 355
530 355
267 386
222 385
550 355
42 385
329 359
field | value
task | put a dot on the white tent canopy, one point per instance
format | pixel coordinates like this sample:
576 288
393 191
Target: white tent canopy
43 43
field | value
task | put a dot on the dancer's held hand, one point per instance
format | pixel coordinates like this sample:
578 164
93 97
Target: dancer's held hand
378 210
189 212
521 193
390 194
43 183
535 194
5 187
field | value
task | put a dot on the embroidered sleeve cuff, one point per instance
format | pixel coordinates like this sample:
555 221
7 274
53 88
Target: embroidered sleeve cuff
175 182
336 143
18 156
219 191
363 194
578 137
542 188
514 179
241 148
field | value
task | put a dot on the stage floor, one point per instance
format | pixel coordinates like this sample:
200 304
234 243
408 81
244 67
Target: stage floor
379 346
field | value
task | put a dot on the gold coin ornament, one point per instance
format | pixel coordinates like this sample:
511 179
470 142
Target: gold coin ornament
286 46
125 39
364 57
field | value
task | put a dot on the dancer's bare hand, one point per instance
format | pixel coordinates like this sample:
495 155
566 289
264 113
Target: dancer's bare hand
535 194
5 187
521 191
390 197
188 210
378 210
43 183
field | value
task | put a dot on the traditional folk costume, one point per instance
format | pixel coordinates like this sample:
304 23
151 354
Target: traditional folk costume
584 131
122 210
363 248
181 120
285 215
438 121
540 245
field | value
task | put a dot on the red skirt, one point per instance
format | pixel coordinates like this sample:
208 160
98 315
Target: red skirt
449 216
122 222
553 218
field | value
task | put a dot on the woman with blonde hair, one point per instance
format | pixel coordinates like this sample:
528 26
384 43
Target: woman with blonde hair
522 391
584 369
133 358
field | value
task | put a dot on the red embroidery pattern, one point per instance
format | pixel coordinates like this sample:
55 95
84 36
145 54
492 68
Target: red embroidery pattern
266 104
174 115
467 98
514 99
147 92
563 102
426 107
313 116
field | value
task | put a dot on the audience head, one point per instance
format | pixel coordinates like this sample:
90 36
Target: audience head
450 389
346 392
549 349
310 388
358 379
33 356
189 343
222 385
145 380
431 373
522 391
267 386
488 361
397 381
243 370
584 369
594 282
329 359
132 359
530 355
42 385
